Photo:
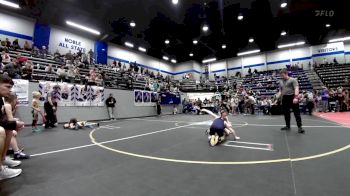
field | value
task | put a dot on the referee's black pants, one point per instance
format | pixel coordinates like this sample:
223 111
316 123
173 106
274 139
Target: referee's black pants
287 104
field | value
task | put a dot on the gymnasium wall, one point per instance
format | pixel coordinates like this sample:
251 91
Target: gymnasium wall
65 41
234 65
122 54
253 62
182 68
329 52
278 59
124 109
347 51
16 27
198 70
302 56
218 68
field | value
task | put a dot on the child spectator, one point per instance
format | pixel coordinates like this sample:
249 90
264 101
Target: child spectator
36 111
26 46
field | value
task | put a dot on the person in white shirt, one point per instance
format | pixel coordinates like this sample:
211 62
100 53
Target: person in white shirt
71 74
263 106
62 74
5 57
48 69
234 104
250 101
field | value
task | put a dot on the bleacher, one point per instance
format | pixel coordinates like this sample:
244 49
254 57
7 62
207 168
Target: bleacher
303 80
188 85
334 76
116 79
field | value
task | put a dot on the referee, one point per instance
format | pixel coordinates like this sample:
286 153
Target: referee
289 90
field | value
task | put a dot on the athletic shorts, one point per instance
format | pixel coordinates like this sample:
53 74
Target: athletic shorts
219 132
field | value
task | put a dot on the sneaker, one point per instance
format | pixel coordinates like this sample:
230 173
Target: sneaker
11 163
7 173
301 130
237 138
285 128
20 155
36 130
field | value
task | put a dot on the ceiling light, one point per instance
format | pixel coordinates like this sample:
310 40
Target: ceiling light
209 60
283 4
142 49
128 44
175 2
339 39
166 58
173 60
195 42
290 45
251 40
167 41
223 46
191 54
240 17
328 25
83 27
283 33
132 24
205 28
9 4
248 52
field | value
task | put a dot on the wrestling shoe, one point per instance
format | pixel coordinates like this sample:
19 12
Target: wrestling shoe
11 163
214 140
20 155
36 130
7 173
301 130
285 128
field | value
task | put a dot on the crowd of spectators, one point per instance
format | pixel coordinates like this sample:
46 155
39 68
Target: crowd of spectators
245 98
70 65
332 100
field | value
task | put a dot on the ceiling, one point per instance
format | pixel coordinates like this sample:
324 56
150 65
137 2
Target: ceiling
158 20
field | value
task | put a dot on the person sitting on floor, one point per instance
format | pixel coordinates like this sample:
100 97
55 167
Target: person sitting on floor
75 124
10 110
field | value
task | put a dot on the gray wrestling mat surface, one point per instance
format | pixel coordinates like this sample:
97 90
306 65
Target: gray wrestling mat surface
170 155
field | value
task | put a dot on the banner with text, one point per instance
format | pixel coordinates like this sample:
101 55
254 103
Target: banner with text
328 53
